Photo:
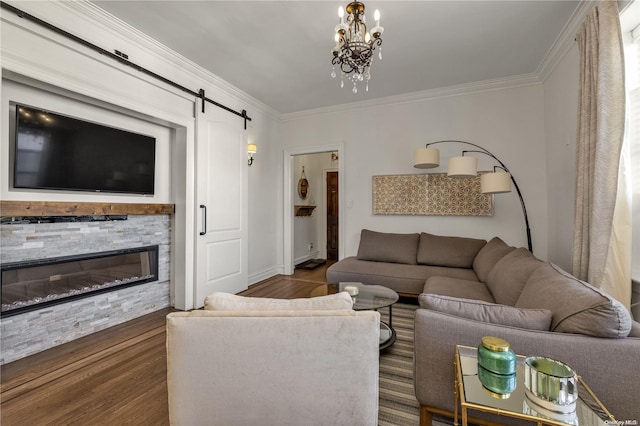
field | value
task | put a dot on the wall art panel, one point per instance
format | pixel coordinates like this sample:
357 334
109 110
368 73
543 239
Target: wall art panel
433 194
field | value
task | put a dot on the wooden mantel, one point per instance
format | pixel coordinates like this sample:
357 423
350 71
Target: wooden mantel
64 208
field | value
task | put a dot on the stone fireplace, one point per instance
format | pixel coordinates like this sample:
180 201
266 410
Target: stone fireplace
36 327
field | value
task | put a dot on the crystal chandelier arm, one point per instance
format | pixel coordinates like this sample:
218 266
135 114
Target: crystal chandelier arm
506 169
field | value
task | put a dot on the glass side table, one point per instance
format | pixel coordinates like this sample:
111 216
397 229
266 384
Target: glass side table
471 395
371 297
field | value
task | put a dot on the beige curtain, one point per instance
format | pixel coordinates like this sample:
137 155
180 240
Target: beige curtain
601 120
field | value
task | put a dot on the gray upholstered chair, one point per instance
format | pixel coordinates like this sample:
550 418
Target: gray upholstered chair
256 366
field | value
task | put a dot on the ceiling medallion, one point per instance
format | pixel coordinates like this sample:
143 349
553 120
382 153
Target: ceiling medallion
355 45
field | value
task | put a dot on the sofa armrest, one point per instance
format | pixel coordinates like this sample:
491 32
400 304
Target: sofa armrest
608 366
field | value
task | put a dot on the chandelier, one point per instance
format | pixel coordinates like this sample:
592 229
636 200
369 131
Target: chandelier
354 47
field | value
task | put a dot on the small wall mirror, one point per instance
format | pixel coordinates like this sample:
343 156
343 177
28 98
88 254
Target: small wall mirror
303 186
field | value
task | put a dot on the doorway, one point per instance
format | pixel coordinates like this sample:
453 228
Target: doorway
291 178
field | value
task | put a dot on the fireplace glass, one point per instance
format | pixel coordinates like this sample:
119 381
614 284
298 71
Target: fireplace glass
35 284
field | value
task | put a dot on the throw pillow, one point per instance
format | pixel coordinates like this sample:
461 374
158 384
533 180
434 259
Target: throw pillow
231 302
488 256
577 306
454 252
510 274
531 319
387 247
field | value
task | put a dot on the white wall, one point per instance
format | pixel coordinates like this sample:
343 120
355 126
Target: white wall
265 198
381 139
561 89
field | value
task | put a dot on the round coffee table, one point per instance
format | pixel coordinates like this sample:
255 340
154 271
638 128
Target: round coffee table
370 297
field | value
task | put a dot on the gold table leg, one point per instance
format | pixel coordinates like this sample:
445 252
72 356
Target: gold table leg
455 390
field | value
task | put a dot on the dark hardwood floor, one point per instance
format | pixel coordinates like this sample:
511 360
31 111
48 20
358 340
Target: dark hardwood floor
114 377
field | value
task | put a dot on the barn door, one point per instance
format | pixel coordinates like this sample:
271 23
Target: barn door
221 188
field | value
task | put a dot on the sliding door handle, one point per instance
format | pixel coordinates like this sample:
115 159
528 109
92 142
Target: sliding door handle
204 219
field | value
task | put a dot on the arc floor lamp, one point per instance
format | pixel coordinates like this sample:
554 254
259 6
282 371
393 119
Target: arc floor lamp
497 182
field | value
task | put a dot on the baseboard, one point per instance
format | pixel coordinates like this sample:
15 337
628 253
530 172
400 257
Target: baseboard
309 256
265 274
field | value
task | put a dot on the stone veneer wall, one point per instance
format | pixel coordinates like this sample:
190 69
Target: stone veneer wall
26 334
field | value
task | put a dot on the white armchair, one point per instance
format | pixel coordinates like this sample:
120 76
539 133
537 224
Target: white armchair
283 367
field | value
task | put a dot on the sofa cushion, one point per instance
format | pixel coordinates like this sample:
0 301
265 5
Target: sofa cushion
407 279
230 302
477 310
510 274
488 256
455 287
387 247
577 307
455 252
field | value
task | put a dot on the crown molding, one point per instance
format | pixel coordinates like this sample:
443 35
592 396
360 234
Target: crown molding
565 40
142 40
89 15
424 95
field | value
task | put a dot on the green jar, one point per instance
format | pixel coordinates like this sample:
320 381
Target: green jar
494 355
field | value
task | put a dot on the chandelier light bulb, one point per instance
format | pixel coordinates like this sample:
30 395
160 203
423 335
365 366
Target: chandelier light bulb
367 38
376 16
341 14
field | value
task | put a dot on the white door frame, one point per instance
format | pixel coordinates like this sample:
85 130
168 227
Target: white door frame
289 153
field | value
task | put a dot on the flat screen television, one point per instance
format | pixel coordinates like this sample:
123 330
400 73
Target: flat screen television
53 151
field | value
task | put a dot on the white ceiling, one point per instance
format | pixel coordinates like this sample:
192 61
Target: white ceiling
279 52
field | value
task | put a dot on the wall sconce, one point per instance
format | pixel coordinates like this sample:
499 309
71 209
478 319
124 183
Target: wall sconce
251 149
496 182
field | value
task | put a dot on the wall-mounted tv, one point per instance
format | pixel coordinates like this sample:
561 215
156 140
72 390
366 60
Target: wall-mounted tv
53 151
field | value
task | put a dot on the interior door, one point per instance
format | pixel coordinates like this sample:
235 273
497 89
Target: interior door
221 187
332 215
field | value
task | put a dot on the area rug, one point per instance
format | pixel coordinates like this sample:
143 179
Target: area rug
398 405
311 263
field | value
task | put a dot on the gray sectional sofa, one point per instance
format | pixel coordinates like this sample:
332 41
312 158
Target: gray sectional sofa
470 288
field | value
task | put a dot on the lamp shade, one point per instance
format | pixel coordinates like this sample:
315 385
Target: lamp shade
462 167
426 158
495 183
252 148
